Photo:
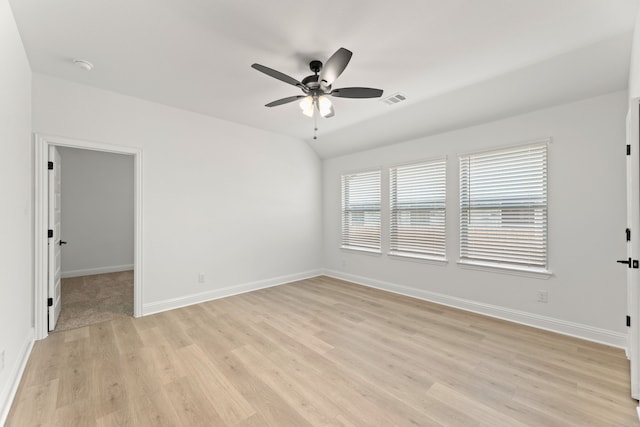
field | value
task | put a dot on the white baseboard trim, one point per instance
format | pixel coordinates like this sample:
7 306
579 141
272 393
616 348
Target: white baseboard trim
97 270
170 304
577 330
9 392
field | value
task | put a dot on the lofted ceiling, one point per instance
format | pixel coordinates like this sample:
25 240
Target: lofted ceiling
458 62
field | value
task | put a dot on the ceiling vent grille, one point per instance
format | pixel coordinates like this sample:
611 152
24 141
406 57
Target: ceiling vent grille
394 99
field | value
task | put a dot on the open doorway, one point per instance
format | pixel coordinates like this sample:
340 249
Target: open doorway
97 225
85 264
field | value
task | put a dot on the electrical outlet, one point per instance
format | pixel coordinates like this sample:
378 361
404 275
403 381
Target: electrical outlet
543 296
343 263
201 278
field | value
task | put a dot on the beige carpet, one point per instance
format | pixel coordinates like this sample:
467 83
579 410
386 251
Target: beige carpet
92 299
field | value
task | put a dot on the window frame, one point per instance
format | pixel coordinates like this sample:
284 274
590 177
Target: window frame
496 265
392 197
344 242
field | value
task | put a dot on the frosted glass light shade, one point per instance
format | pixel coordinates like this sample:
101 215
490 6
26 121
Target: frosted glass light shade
324 105
306 102
307 106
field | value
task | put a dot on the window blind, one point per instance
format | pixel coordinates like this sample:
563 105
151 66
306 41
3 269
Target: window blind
418 196
503 207
361 211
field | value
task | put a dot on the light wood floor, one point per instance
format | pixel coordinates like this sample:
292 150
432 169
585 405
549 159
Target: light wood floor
321 352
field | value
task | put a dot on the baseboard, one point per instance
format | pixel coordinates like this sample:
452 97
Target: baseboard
564 327
97 270
9 393
170 304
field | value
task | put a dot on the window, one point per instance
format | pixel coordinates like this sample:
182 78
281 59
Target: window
503 208
417 224
361 211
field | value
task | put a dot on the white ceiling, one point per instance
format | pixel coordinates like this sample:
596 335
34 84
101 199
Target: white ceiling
458 62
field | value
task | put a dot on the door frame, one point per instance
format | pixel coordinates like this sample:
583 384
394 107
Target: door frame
55 242
41 216
633 246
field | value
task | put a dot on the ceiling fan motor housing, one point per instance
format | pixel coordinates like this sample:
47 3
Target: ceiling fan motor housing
311 81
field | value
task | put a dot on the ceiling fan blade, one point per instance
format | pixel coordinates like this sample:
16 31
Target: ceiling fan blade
356 92
334 66
284 100
277 75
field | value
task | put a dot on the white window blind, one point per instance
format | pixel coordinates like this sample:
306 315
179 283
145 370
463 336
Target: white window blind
503 207
361 211
418 196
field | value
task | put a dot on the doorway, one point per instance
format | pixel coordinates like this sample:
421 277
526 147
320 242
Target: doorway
42 146
97 230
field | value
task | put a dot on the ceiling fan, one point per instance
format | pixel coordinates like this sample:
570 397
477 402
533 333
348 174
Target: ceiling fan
317 87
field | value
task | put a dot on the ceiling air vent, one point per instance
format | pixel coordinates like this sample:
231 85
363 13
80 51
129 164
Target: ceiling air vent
394 99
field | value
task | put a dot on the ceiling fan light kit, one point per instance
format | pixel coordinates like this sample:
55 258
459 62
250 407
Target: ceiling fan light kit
311 104
317 86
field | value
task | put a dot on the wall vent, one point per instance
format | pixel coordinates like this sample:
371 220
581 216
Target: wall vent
394 99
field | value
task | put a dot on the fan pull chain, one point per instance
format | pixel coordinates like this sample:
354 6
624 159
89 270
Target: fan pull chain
316 111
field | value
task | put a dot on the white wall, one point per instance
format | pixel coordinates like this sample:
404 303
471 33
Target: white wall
16 284
634 73
240 205
97 212
587 292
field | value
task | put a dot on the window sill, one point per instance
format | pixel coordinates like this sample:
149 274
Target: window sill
417 258
537 273
362 250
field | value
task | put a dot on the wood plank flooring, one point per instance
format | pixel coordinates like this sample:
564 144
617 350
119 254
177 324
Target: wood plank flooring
321 352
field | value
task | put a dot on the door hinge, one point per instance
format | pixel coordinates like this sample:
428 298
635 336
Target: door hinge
49 302
628 321
50 164
628 231
628 149
50 233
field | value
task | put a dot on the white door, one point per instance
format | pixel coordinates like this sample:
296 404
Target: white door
55 242
633 247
